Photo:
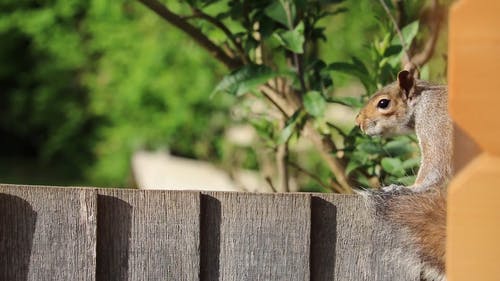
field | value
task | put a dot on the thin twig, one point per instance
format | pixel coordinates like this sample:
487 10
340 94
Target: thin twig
428 50
336 128
411 63
326 146
279 102
297 59
200 14
281 163
193 32
398 31
270 183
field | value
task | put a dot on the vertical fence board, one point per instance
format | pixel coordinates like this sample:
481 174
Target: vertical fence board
473 213
47 233
263 237
116 234
362 245
148 235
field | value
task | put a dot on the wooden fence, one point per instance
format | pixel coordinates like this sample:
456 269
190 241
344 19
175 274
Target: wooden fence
473 231
49 233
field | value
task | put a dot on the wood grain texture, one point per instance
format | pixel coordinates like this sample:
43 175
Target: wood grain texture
148 235
364 246
47 233
119 234
264 236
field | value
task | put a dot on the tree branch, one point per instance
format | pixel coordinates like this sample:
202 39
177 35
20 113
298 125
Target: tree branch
437 17
281 163
200 14
327 147
414 62
193 32
398 31
279 102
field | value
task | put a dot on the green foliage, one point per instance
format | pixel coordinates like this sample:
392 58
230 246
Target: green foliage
292 30
245 79
86 83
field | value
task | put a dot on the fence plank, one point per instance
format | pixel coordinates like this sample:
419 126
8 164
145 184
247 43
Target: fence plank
116 234
47 233
473 214
263 237
148 235
362 246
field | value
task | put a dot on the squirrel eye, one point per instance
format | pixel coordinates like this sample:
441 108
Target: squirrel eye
383 103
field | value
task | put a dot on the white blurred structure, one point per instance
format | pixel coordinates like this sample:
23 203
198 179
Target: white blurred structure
159 170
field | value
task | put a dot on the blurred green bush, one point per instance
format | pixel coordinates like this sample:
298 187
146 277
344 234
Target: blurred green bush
83 84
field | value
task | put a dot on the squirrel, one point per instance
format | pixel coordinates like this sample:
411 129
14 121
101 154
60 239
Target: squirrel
418 211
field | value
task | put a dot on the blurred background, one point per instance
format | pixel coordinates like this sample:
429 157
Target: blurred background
107 93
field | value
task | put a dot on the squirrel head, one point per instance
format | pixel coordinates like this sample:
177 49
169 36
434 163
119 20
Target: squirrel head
388 111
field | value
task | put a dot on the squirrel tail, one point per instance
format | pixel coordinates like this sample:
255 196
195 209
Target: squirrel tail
422 217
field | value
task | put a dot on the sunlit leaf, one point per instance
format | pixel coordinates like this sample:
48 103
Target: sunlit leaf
411 163
393 166
245 79
409 32
278 12
406 181
398 147
290 127
314 103
293 39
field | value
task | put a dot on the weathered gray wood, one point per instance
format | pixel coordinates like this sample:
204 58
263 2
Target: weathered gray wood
47 233
148 235
117 234
363 245
263 236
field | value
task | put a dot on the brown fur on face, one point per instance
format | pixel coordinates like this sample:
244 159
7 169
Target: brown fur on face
394 119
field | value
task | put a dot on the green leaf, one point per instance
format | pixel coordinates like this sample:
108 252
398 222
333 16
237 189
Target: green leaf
263 127
290 127
411 163
363 180
347 101
351 166
406 181
293 39
398 147
409 32
393 166
359 65
356 69
369 147
314 103
277 11
244 80
393 50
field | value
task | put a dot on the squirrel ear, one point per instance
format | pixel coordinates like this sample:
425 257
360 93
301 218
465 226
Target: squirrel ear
406 82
